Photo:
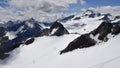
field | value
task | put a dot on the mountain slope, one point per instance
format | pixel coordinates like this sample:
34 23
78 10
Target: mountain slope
44 52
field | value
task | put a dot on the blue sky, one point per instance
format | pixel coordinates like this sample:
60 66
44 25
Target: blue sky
93 3
3 3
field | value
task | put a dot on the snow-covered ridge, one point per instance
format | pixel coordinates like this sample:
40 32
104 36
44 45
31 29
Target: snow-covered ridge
42 49
46 54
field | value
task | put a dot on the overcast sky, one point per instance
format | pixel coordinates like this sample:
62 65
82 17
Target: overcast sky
50 10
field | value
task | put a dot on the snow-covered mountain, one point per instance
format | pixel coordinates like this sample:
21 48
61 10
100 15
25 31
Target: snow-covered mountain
88 40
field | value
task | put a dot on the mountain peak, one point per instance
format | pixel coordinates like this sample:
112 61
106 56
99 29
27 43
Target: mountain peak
91 13
31 20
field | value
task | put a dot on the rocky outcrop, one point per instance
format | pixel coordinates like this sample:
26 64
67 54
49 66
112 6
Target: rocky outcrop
91 14
116 29
2 31
29 41
106 28
3 40
85 40
3 56
77 18
81 42
57 29
25 32
67 18
117 17
103 30
106 17
27 28
45 32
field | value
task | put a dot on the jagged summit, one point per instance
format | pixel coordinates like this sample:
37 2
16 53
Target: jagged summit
66 18
44 42
91 13
58 29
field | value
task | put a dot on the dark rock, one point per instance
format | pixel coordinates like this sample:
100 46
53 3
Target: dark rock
117 17
98 14
9 46
45 32
3 56
29 28
106 17
29 41
81 42
60 29
3 39
47 24
25 29
77 18
116 29
103 30
67 18
2 31
91 14
85 40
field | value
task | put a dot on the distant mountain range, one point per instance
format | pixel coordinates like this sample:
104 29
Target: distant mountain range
15 33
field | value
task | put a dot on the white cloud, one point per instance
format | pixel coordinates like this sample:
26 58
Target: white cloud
82 2
43 5
43 10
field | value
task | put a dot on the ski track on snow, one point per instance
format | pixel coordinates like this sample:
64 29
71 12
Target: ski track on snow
102 64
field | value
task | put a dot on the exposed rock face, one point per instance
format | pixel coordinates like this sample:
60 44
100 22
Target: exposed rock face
45 32
9 46
56 29
85 40
27 28
116 29
60 30
81 42
3 56
117 17
106 17
67 18
2 31
103 30
77 18
91 14
29 41
3 40
25 32
106 28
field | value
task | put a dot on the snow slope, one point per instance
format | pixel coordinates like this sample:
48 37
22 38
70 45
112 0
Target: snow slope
44 53
83 25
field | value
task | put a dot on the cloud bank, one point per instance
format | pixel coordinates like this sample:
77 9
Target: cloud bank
82 2
114 10
44 10
39 9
